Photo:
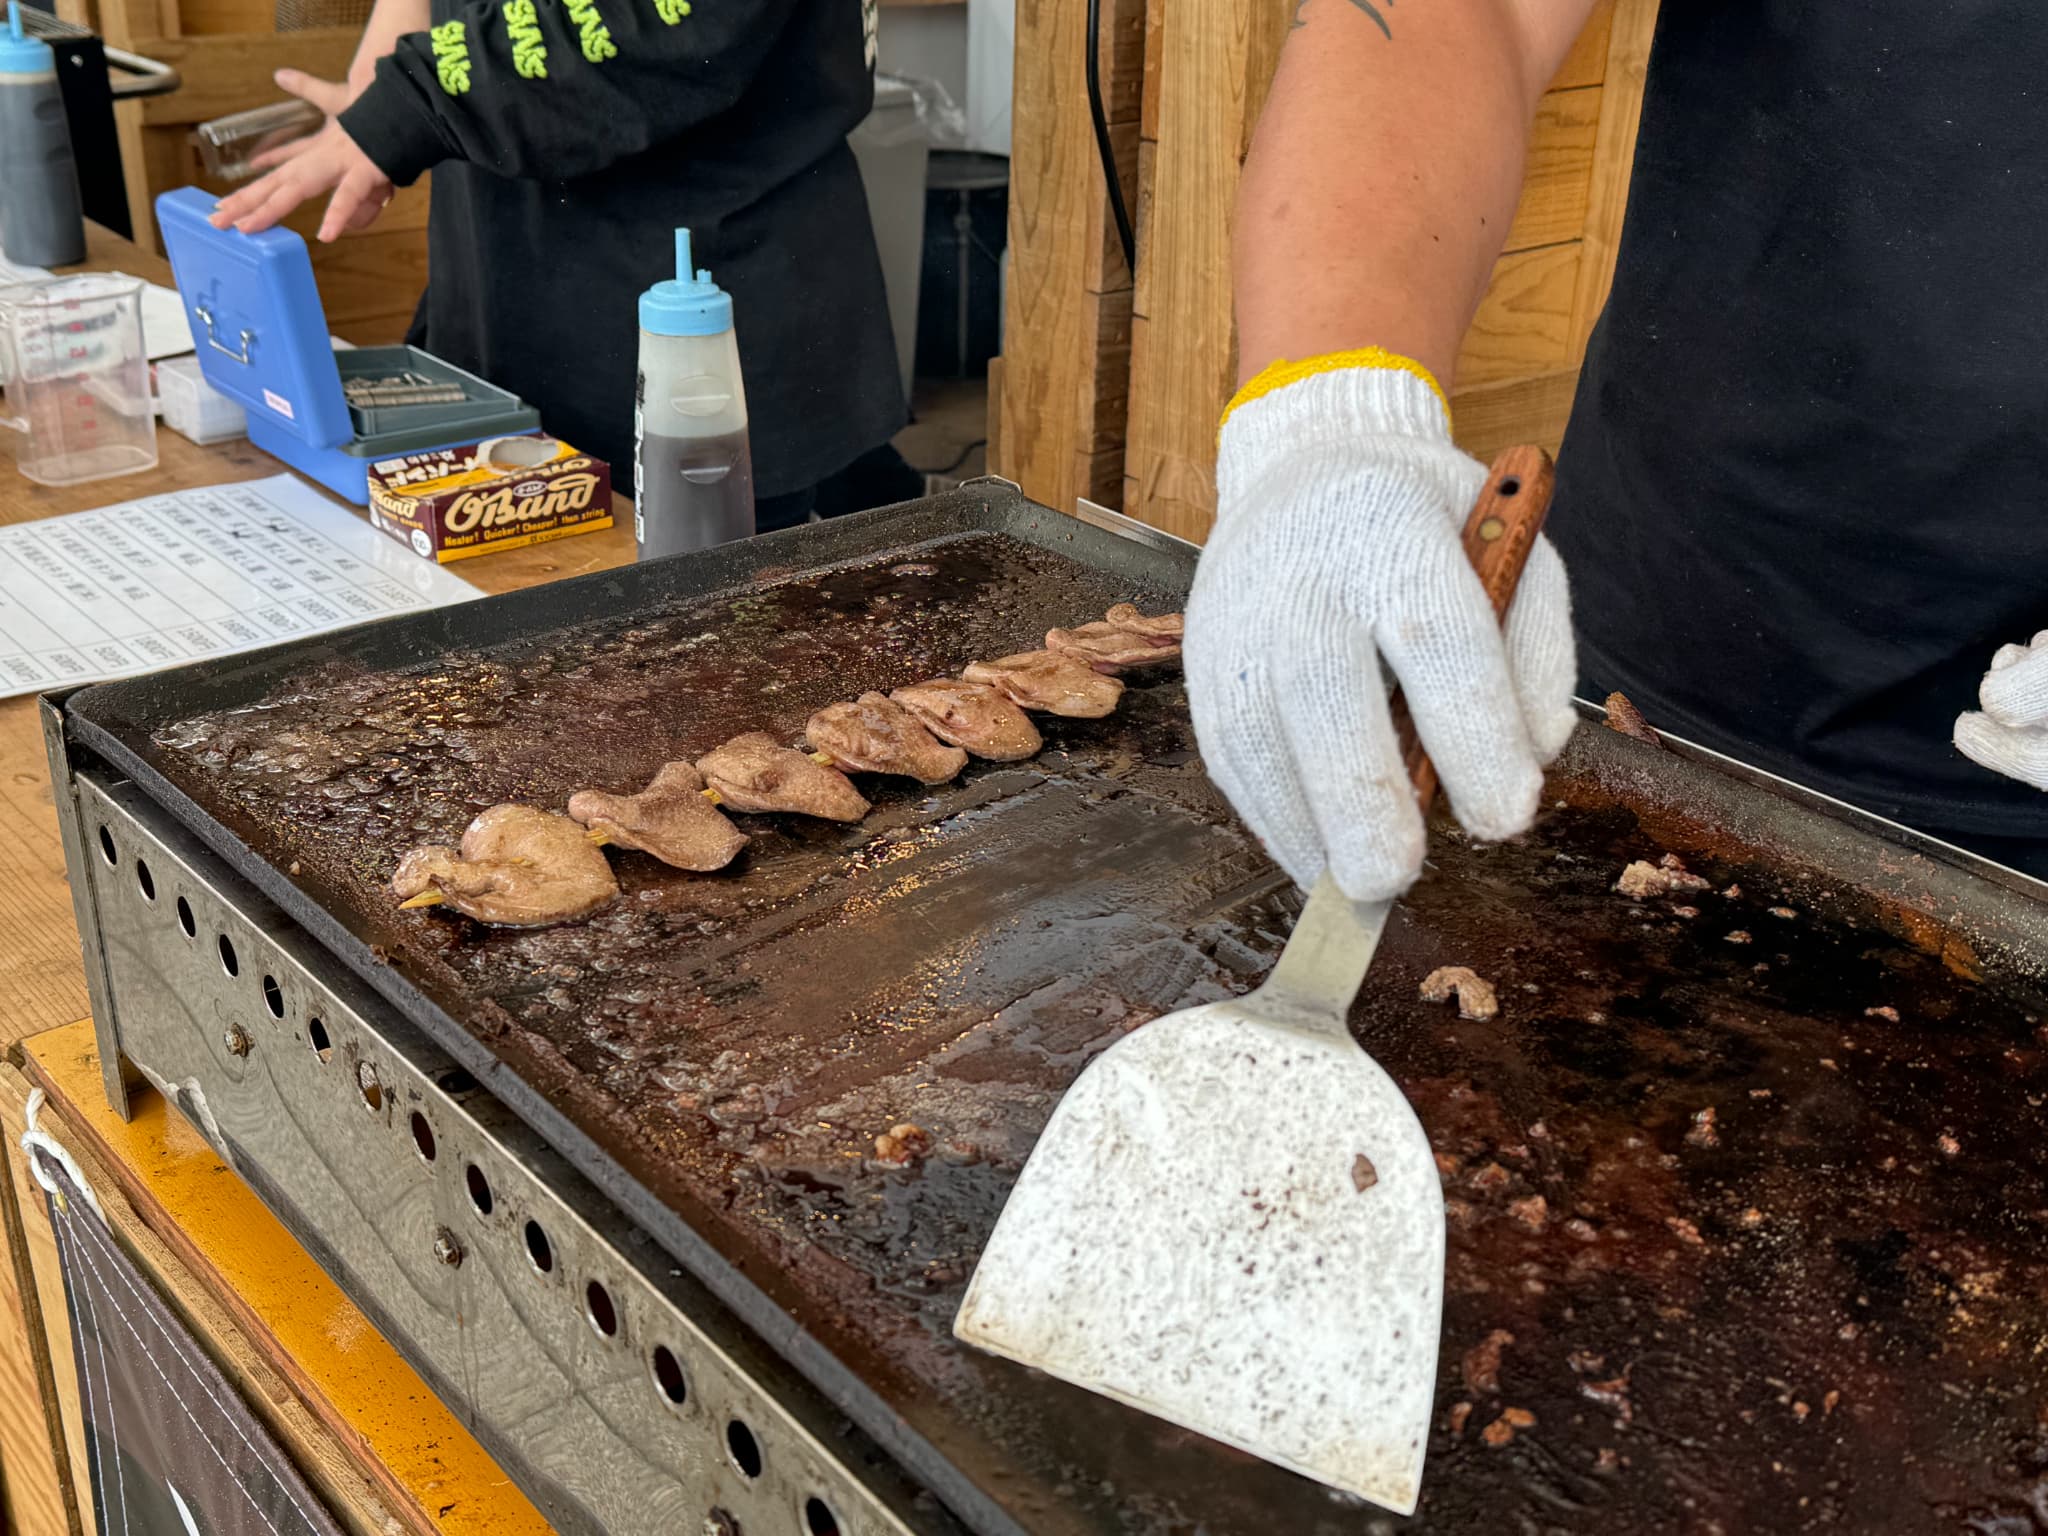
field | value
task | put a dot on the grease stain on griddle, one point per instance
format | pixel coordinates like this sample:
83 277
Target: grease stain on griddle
737 1041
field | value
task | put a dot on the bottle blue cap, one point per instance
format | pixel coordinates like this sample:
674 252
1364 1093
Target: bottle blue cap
21 55
684 305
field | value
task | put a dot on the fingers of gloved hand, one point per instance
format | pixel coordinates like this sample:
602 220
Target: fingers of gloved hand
1334 710
2017 752
1446 647
2015 690
1236 710
1541 653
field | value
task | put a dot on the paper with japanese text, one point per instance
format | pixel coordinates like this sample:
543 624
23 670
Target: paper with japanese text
205 572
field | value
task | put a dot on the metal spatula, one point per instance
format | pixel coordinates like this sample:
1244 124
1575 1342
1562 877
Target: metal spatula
1233 1218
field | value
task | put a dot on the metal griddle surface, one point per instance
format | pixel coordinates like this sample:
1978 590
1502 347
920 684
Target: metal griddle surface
1821 1310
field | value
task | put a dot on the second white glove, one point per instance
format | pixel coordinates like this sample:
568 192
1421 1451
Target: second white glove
1336 547
2010 734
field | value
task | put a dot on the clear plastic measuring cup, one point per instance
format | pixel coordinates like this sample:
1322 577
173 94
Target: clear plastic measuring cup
75 378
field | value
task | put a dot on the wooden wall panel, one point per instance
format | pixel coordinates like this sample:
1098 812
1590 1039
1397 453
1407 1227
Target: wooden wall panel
1628 62
226 74
1557 176
1586 64
1216 63
1065 369
1524 324
1531 409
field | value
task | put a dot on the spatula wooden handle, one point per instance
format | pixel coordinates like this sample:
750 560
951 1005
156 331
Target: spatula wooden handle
1499 535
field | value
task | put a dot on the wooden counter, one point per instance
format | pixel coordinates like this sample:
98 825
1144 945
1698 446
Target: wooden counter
42 983
42 987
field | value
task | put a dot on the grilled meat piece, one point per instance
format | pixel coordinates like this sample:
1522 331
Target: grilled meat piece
1623 716
874 735
1475 994
755 772
1125 638
1167 628
1048 681
670 819
972 715
517 866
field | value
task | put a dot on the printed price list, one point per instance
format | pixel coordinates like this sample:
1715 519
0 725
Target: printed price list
206 572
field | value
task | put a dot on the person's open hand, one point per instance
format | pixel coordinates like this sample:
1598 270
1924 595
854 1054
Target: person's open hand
2009 735
327 161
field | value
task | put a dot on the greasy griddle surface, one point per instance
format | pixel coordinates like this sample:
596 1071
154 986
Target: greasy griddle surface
1821 1312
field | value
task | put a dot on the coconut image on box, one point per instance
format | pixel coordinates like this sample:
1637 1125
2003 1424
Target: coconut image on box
452 503
693 476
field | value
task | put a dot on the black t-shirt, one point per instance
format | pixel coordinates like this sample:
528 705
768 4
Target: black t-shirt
1804 493
568 141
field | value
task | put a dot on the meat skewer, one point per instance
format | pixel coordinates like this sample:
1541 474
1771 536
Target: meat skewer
520 866
974 716
875 735
755 772
1125 638
672 818
517 867
1049 682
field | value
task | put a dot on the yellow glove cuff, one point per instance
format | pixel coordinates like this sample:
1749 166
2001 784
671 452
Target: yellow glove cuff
1279 375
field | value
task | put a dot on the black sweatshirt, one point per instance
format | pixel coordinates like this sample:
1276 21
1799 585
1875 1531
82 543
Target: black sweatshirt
569 138
1804 493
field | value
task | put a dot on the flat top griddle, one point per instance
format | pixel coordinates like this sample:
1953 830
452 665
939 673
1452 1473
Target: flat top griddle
1816 1306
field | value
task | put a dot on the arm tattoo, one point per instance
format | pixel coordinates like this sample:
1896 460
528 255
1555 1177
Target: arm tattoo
1366 6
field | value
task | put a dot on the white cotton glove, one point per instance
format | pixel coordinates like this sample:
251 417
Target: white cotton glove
2010 734
1338 546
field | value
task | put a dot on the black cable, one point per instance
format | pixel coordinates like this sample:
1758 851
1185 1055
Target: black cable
958 459
1102 144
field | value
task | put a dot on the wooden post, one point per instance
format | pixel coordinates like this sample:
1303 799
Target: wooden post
1216 61
1059 412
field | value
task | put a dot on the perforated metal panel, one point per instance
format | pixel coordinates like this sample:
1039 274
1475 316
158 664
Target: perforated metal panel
614 1390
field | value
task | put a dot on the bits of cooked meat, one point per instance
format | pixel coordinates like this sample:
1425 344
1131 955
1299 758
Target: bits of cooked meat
972 715
873 735
904 1143
670 819
1476 997
1624 717
755 772
1049 682
1125 638
517 866
1642 879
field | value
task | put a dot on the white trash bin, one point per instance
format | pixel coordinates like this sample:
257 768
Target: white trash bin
893 144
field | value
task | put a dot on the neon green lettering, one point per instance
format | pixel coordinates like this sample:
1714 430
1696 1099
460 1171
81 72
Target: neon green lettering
451 57
671 11
591 32
529 48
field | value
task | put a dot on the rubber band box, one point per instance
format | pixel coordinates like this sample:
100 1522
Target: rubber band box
262 340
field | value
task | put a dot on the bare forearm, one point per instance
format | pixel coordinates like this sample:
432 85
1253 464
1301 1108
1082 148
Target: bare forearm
389 21
1385 172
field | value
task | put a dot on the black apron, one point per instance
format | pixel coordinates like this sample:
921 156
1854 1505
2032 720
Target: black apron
535 284
1802 495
